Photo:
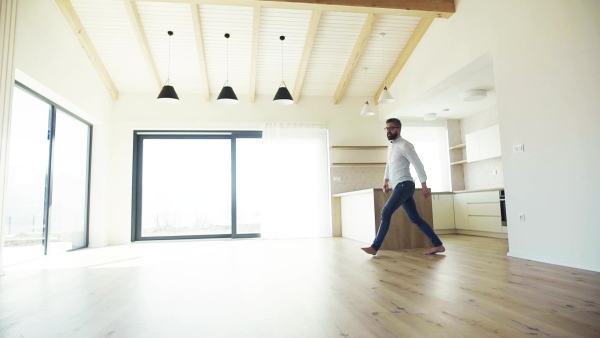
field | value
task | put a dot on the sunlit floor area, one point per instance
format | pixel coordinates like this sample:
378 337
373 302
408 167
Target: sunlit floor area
296 288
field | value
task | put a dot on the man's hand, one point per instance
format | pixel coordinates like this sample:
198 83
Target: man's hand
386 187
426 191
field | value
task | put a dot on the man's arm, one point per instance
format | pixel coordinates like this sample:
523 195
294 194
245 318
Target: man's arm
414 159
426 191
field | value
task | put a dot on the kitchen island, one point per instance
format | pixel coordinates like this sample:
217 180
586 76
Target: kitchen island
357 214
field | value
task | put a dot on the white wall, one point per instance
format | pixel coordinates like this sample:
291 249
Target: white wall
546 56
50 61
136 111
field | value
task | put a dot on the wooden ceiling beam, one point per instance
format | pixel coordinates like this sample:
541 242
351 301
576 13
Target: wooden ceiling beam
254 54
359 47
308 46
422 8
444 6
74 23
200 47
404 55
138 28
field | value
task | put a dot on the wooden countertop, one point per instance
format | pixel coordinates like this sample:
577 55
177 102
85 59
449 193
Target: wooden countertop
364 191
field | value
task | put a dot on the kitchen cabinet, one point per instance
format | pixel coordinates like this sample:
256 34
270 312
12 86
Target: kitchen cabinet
483 144
478 211
443 211
461 215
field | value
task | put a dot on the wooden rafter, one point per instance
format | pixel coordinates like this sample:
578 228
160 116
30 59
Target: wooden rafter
138 28
200 46
70 15
254 55
422 8
444 6
359 47
308 46
404 55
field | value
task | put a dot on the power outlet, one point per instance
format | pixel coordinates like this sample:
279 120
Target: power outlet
337 179
522 217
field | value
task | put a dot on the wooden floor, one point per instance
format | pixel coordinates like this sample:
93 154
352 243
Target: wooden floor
296 288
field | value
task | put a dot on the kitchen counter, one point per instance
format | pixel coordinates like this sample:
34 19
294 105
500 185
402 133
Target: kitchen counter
357 214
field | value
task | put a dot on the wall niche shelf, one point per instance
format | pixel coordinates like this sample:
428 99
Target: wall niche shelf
459 146
358 147
458 162
358 164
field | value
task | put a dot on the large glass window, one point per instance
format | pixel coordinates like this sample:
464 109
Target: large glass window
47 189
196 185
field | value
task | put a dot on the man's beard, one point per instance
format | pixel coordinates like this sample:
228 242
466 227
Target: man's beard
391 135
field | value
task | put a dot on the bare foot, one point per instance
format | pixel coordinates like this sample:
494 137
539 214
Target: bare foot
369 250
434 250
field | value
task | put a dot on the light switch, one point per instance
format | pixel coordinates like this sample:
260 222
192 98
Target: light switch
519 148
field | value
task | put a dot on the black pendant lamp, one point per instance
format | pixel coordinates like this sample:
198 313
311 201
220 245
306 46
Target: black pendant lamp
283 95
168 94
227 95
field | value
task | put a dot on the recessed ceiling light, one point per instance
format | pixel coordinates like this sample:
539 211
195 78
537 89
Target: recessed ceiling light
474 95
429 117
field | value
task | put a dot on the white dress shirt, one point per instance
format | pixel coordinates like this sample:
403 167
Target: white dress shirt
400 155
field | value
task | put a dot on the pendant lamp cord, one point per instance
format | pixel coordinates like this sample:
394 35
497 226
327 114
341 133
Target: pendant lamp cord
282 61
227 60
365 73
169 64
382 51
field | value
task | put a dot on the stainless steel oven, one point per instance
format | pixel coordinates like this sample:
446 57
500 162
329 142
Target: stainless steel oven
502 208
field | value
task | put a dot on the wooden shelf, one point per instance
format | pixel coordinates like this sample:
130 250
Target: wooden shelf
458 162
459 146
358 147
358 164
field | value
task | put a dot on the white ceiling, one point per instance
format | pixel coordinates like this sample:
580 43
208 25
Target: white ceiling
112 33
479 74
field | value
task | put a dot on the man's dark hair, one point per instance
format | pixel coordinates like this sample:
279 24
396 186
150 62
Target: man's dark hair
395 121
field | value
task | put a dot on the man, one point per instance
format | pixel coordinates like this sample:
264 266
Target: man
401 154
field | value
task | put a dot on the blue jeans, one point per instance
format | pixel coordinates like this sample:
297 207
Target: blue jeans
402 195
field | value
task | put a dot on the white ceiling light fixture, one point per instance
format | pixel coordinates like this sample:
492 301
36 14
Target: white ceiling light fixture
168 94
283 95
366 110
474 95
227 95
385 96
430 117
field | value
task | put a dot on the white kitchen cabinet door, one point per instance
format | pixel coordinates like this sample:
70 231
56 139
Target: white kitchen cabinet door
461 215
484 209
443 211
472 142
485 223
489 143
483 144
483 197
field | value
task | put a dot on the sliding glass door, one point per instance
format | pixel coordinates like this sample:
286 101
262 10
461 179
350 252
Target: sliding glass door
69 184
47 189
26 189
185 185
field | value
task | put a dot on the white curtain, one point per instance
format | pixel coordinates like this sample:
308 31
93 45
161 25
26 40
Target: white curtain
296 181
